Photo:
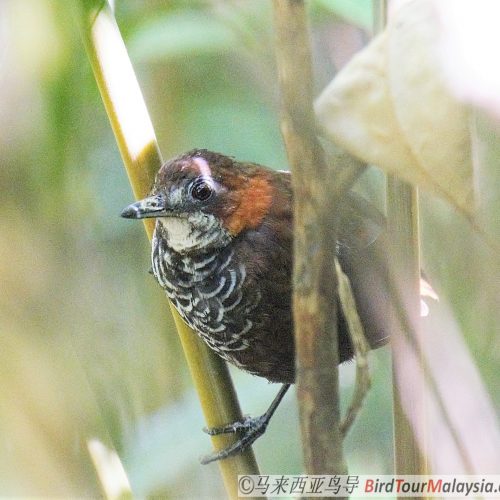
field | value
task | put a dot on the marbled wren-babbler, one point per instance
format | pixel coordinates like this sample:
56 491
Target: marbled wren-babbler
222 251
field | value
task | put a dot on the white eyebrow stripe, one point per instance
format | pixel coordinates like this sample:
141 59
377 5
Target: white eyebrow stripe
204 167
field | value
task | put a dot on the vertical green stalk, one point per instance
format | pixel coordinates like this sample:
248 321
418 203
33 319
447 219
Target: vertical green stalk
403 226
379 9
402 215
137 143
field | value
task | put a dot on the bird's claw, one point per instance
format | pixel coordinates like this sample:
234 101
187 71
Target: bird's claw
246 424
250 428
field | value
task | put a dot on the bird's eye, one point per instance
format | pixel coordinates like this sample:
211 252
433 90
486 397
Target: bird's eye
201 191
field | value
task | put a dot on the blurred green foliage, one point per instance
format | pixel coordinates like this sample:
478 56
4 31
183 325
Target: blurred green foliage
88 347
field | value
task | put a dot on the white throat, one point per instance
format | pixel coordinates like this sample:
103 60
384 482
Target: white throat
196 231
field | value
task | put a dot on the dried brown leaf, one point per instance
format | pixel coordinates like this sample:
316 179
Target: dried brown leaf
391 107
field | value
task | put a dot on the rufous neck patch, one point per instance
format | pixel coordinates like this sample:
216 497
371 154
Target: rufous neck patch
255 200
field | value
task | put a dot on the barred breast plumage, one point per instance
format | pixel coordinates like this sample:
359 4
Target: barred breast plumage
208 290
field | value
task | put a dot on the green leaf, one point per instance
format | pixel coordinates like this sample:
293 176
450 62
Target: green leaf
181 34
358 12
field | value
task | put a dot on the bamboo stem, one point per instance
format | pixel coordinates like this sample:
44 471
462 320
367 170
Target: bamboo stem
403 227
402 214
137 143
315 283
379 8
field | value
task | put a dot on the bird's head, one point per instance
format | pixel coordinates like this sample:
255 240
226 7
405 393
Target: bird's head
204 200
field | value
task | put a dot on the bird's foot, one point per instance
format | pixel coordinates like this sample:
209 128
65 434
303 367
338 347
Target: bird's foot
250 428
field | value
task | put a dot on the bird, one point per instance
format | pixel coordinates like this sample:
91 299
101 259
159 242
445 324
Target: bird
222 250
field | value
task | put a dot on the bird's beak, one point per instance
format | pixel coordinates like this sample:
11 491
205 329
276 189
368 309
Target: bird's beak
152 206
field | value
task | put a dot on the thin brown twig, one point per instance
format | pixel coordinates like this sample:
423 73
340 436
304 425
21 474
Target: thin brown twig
315 285
360 346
